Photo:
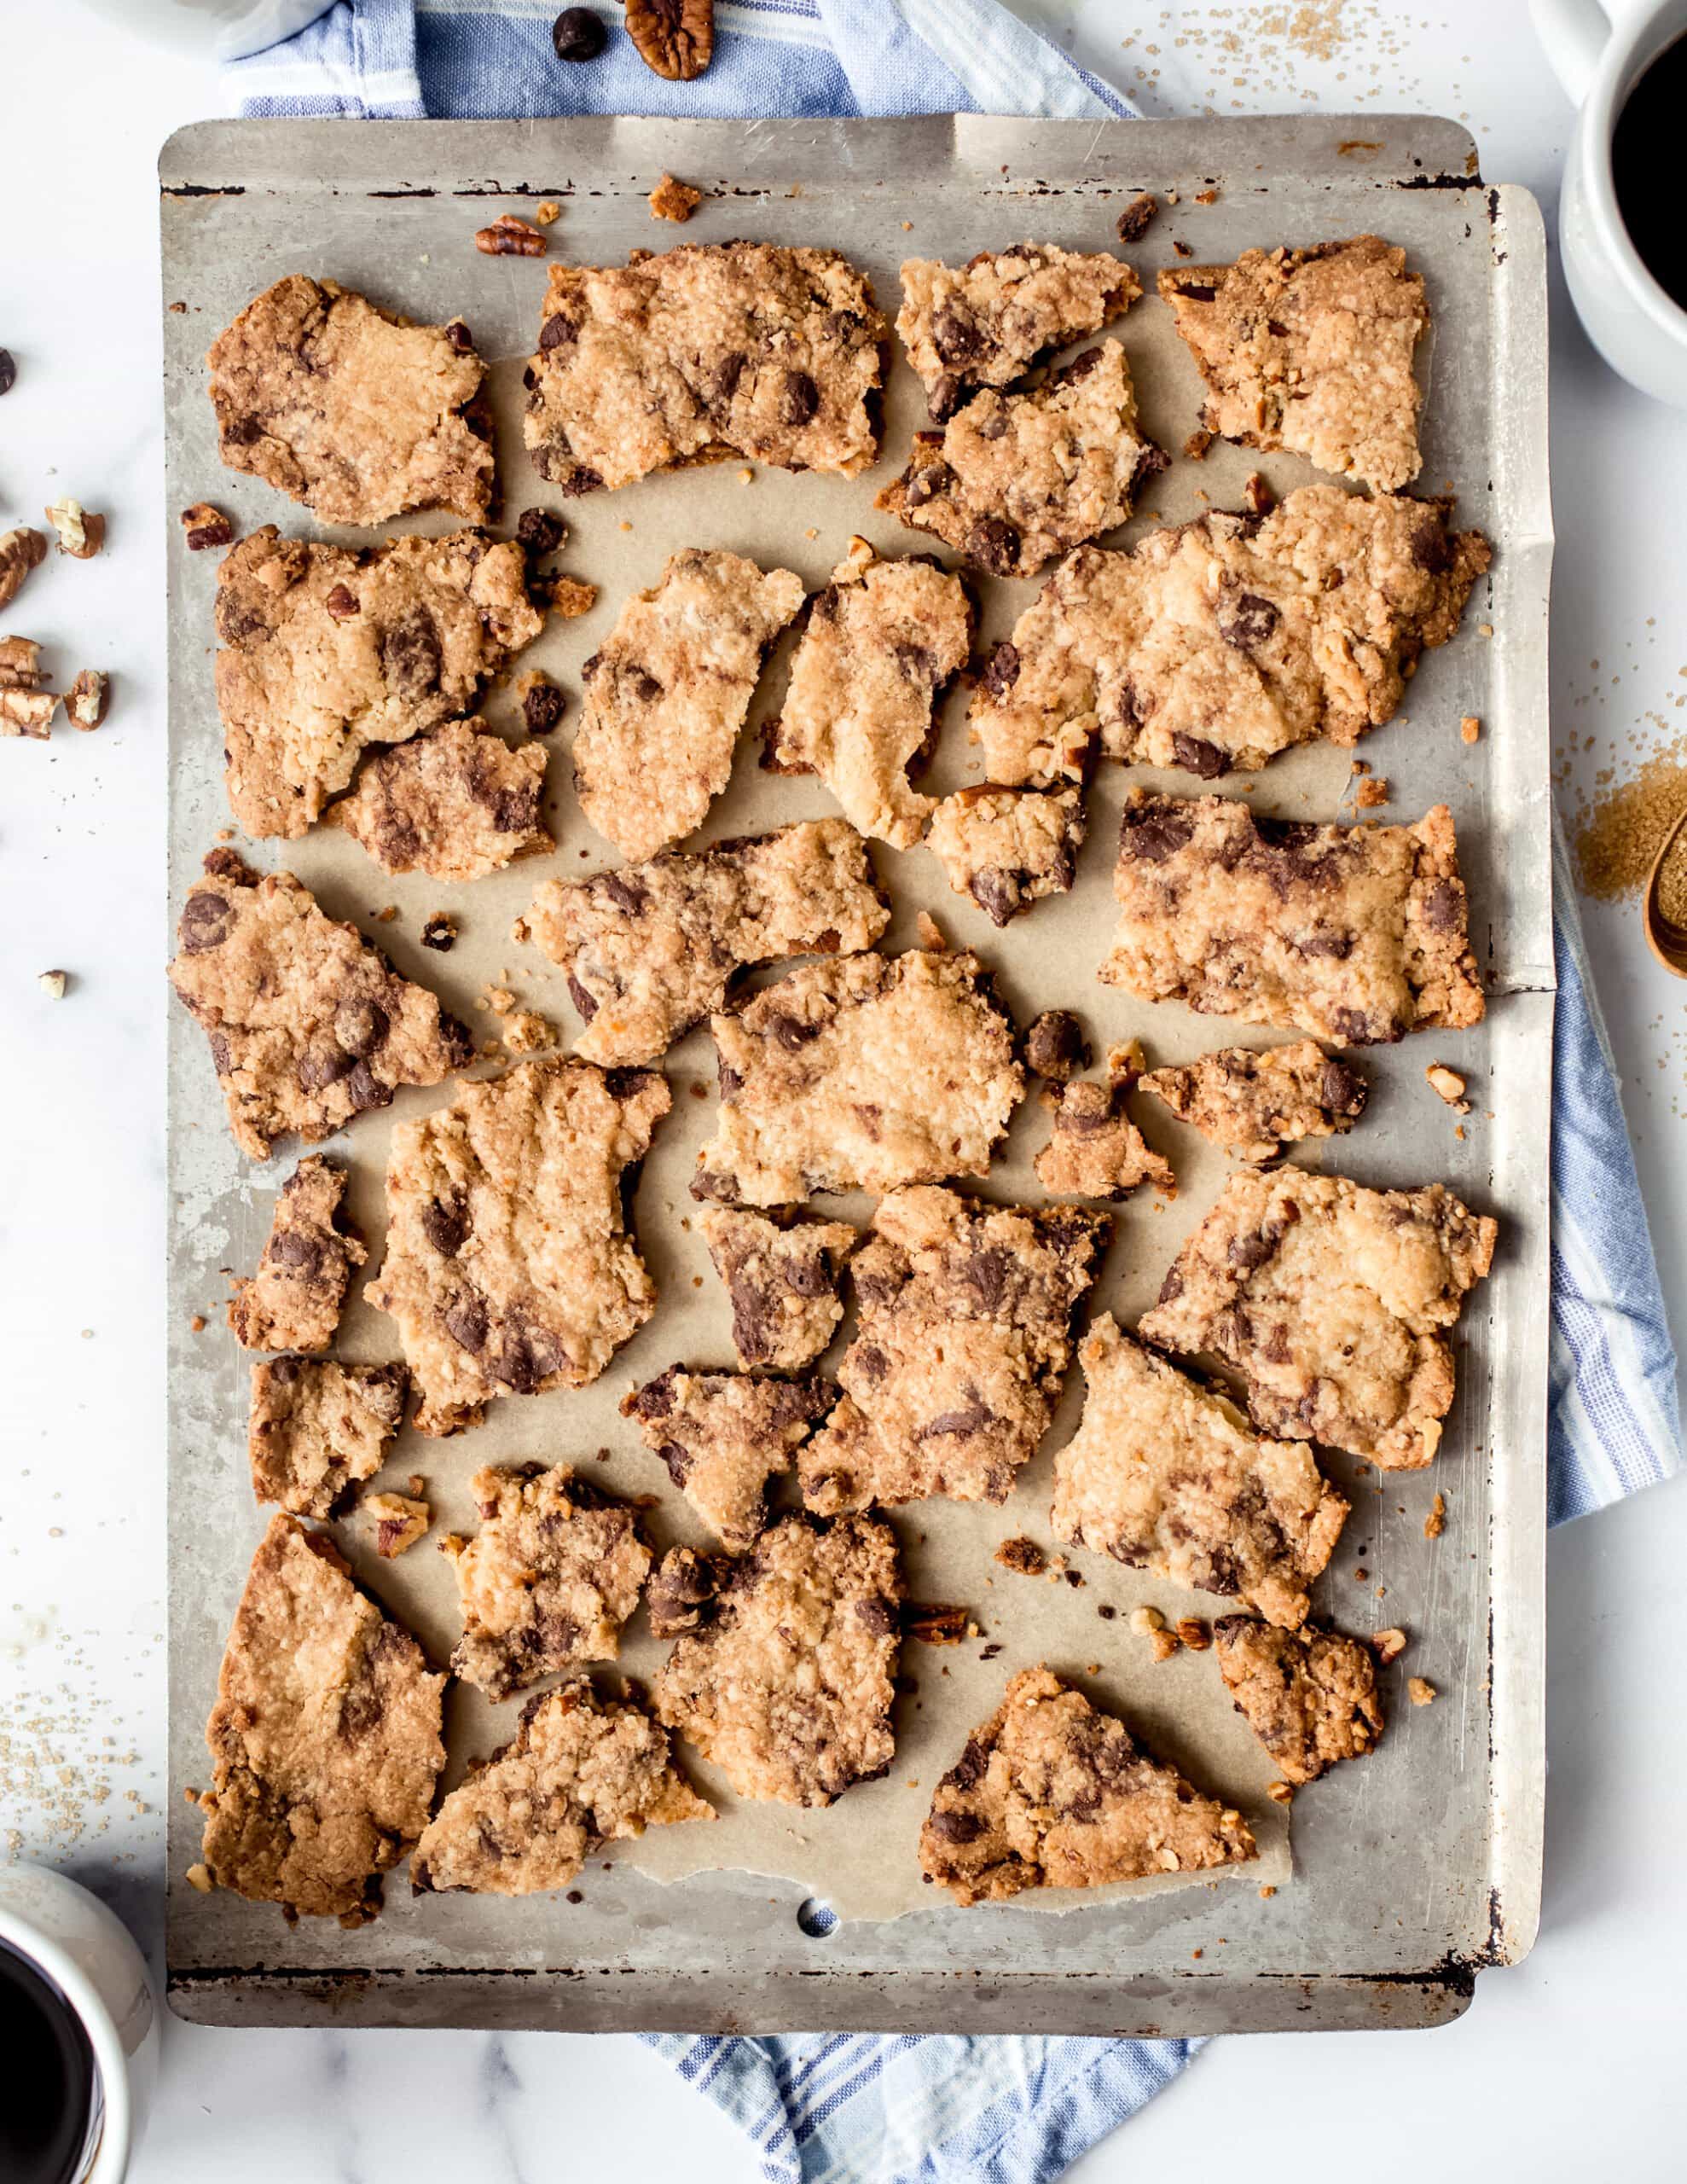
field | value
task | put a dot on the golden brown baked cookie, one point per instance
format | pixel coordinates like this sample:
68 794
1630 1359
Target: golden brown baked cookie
668 692
783 1674
1094 1149
1358 934
709 350
509 1266
356 412
986 323
293 1301
324 1740
1309 1696
1310 350
781 1274
308 1023
724 1435
650 949
325 652
455 802
548 1581
317 1429
1050 1792
863 1073
1163 1474
1331 1300
578 1772
966 1314
1255 1102
1008 847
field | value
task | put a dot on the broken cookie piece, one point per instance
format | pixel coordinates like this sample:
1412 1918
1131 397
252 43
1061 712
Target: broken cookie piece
548 1581
865 1073
578 1772
1094 1149
986 323
399 1520
1008 847
1331 1300
1310 350
1254 1103
1358 934
1013 479
318 1429
359 413
1050 1792
325 652
509 1265
456 803
1163 1474
710 350
786 1676
724 1435
308 1023
668 692
1308 1695
293 1301
1056 1049
882 641
1216 644
966 1317
782 1278
324 1740
650 949
673 200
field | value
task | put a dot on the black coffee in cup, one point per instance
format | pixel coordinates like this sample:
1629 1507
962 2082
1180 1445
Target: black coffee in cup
48 2114
1645 171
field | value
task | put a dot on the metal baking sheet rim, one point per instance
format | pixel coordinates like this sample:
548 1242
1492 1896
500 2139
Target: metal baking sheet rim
1186 1999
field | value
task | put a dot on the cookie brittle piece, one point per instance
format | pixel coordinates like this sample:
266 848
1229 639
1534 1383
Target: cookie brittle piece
667 694
650 949
351 409
1354 934
325 652
1013 479
578 1772
882 641
1008 847
455 802
1164 1475
1332 1301
318 1429
1310 350
1309 1696
324 1740
1254 1103
548 1581
1050 1792
724 1435
986 323
1214 645
308 1024
509 1266
1094 1149
710 350
861 1073
965 1334
293 1301
781 1277
784 1675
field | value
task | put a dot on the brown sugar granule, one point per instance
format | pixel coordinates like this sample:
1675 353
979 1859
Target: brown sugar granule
1435 1523
1619 835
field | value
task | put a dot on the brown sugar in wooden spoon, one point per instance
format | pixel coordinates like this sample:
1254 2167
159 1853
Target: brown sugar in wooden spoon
1665 913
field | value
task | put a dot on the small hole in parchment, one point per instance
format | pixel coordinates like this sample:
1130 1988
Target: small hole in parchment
816 1918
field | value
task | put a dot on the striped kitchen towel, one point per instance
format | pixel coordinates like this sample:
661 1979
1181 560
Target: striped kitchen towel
840 2108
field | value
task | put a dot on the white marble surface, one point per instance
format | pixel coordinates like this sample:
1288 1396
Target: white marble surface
1566 2067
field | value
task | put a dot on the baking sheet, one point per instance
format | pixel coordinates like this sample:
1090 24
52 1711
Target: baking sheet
1409 1871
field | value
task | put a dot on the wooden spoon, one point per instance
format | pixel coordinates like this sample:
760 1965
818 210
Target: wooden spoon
1666 940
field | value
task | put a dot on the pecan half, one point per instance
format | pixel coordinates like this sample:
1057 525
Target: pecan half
508 237
676 38
20 551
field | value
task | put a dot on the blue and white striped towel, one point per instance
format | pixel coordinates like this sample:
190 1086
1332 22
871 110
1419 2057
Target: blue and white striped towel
859 2110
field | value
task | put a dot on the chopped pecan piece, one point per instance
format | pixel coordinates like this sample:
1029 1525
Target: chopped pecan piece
20 551
205 526
508 237
87 697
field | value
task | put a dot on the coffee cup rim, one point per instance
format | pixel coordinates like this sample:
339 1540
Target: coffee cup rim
27 1940
1617 74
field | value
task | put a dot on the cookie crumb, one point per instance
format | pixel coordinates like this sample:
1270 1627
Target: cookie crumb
1135 221
1388 1645
541 701
527 1033
1420 1691
1023 1557
1435 1523
386 916
1448 1084
546 211
673 200
931 934
198 1324
199 1877
1280 1793
1196 446
500 1000
1206 197
206 526
1369 793
1267 1891
1469 728
1183 249
53 984
399 1521
440 932
746 477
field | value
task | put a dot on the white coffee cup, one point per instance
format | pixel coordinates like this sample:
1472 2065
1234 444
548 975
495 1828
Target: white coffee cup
87 1953
228 29
1599 50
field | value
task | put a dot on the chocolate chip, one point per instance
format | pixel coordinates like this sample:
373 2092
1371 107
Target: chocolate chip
459 337
1336 947
1341 1089
988 1274
944 399
1152 831
791 1032
539 532
870 1363
1196 756
880 1615
1055 1046
365 1090
361 1026
1356 1029
206 922
446 1225
957 336
1002 670
466 1322
318 1067
970 1769
302 1253
578 35
996 892
557 329
630 896
1133 222
1246 621
926 483
956 1827
994 544
541 704
1172 1286
728 373
1431 547
972 1418
1247 1253
440 932
342 602
1444 906
409 654
1197 292
529 1357
580 479
800 399
585 1002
